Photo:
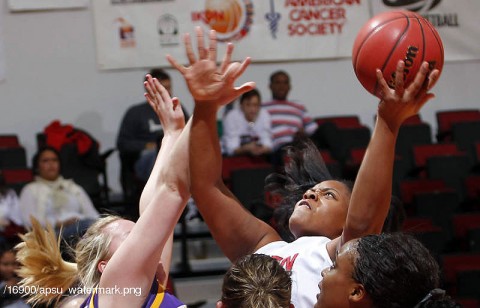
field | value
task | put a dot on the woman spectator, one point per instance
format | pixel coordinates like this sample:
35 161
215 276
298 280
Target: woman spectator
54 200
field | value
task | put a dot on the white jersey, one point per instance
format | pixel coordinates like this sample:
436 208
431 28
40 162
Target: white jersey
305 258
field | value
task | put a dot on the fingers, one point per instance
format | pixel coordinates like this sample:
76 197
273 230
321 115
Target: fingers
213 45
157 96
149 87
399 81
432 78
164 95
243 66
384 88
202 54
247 86
175 102
175 64
227 58
418 83
189 49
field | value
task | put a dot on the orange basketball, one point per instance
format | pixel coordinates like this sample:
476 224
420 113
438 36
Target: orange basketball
392 36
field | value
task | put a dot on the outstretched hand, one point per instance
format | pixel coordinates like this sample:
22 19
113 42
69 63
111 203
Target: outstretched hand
167 109
400 103
207 81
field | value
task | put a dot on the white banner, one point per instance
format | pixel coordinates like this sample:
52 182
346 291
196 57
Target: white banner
139 33
457 22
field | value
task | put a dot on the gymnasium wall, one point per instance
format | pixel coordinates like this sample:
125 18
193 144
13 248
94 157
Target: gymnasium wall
51 73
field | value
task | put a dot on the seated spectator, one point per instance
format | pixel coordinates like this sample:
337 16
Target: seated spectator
247 129
10 297
10 216
383 270
54 200
137 141
289 118
256 281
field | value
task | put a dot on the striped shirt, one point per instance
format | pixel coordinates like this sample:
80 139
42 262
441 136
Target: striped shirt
287 119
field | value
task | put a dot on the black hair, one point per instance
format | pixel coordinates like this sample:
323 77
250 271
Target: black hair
304 168
159 73
397 271
278 73
36 157
251 93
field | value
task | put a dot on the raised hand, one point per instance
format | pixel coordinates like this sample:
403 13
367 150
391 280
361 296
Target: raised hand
207 81
167 109
399 103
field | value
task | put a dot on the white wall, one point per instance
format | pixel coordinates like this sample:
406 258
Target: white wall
52 74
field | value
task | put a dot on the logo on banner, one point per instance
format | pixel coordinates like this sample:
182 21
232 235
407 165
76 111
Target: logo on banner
126 33
273 17
424 7
231 19
167 27
420 6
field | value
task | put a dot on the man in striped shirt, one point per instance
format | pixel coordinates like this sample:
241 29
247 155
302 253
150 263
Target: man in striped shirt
289 119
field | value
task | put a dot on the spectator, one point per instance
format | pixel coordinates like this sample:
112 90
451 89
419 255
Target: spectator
289 118
137 141
54 200
10 295
10 215
383 271
247 130
256 281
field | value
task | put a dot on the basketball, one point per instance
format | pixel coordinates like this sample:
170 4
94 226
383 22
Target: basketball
392 36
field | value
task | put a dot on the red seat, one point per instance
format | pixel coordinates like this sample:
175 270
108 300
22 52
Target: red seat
465 221
424 151
232 163
408 188
340 121
9 141
15 176
446 118
454 263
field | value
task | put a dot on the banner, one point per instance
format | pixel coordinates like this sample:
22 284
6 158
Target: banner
457 22
139 33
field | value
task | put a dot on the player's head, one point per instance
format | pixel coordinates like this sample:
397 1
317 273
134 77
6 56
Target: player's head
256 281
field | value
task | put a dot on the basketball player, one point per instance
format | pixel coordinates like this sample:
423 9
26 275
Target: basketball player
329 214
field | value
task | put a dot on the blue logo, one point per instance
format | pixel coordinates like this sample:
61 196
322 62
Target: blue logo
273 18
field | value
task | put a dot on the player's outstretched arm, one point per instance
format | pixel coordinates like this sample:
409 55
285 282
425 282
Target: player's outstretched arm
371 194
235 229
